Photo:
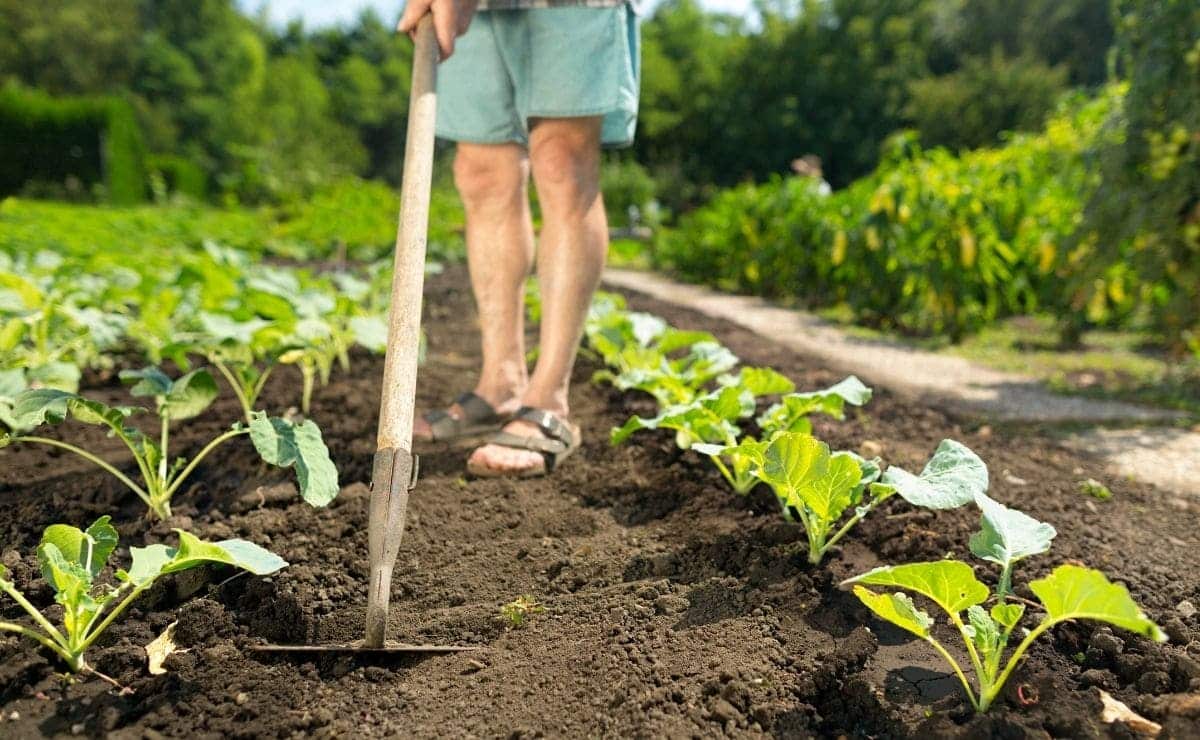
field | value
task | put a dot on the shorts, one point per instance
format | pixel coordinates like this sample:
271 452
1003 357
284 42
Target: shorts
562 62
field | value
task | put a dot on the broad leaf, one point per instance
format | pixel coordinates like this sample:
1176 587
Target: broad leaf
89 549
147 563
1007 615
148 382
36 407
761 381
1008 535
792 411
1075 592
225 328
285 444
194 551
898 609
948 583
370 332
984 632
68 578
190 395
951 478
803 473
709 418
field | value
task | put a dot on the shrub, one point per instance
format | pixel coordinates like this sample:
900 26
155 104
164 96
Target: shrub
94 140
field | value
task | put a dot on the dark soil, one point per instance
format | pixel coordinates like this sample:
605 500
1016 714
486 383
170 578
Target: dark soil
673 607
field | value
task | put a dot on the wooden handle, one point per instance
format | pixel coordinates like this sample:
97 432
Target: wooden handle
408 279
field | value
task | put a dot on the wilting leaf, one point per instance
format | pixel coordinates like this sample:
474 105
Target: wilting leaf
285 444
1075 592
950 584
951 478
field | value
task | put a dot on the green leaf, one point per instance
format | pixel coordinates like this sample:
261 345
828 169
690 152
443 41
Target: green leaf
1075 592
63 376
1008 535
1008 614
792 411
89 550
150 382
675 339
984 632
194 551
66 577
147 563
225 328
803 473
898 609
761 381
951 478
285 444
36 407
948 583
709 418
370 332
190 395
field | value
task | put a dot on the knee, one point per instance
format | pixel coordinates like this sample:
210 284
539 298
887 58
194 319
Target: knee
481 180
567 171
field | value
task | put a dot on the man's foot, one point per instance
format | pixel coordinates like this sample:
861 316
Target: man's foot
470 415
532 444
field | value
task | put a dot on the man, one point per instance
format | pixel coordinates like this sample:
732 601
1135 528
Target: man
529 87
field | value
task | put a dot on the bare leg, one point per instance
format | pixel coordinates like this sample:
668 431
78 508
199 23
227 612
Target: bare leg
492 182
565 153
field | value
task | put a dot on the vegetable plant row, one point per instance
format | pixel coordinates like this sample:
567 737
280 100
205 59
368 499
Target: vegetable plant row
61 313
708 402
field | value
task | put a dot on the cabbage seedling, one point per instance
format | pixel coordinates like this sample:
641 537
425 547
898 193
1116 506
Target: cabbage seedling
279 442
711 418
818 487
1069 592
792 412
72 561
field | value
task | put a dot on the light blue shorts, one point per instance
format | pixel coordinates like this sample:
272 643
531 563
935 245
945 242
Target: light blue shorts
562 62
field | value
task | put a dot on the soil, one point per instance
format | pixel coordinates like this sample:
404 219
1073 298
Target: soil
673 608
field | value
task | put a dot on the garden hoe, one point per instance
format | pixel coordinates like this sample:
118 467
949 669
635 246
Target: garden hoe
395 467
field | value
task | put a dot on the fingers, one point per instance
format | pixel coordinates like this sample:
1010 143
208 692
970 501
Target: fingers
413 11
445 27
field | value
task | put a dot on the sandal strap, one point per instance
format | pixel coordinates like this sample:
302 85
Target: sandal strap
549 424
544 445
475 408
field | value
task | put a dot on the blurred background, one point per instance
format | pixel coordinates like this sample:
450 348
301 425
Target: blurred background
1013 180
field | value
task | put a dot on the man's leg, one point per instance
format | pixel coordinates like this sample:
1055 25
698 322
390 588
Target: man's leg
492 181
565 153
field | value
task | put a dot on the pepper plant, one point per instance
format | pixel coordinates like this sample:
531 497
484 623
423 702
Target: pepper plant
72 562
278 441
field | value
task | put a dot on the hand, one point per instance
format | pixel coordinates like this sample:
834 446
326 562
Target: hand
450 20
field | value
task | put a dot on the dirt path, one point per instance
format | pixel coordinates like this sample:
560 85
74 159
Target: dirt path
1169 458
674 608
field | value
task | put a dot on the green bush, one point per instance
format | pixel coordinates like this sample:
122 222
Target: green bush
626 185
179 175
929 243
91 140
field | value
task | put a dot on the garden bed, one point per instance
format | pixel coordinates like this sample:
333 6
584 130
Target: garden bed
673 607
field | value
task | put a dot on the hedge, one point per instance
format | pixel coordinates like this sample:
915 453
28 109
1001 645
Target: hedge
93 139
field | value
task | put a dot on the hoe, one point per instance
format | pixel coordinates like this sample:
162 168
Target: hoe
395 468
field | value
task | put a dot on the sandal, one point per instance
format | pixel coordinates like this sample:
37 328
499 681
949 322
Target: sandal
557 444
478 417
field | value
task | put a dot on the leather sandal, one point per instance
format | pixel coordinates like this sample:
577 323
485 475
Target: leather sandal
478 417
558 442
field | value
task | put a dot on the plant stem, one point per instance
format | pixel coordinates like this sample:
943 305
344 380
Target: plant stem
92 458
987 699
957 671
1004 588
174 486
95 633
164 433
35 635
238 390
971 651
32 611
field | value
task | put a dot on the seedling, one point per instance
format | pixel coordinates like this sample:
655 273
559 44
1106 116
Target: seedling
1095 489
1069 592
738 462
711 418
515 613
279 442
817 487
72 561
